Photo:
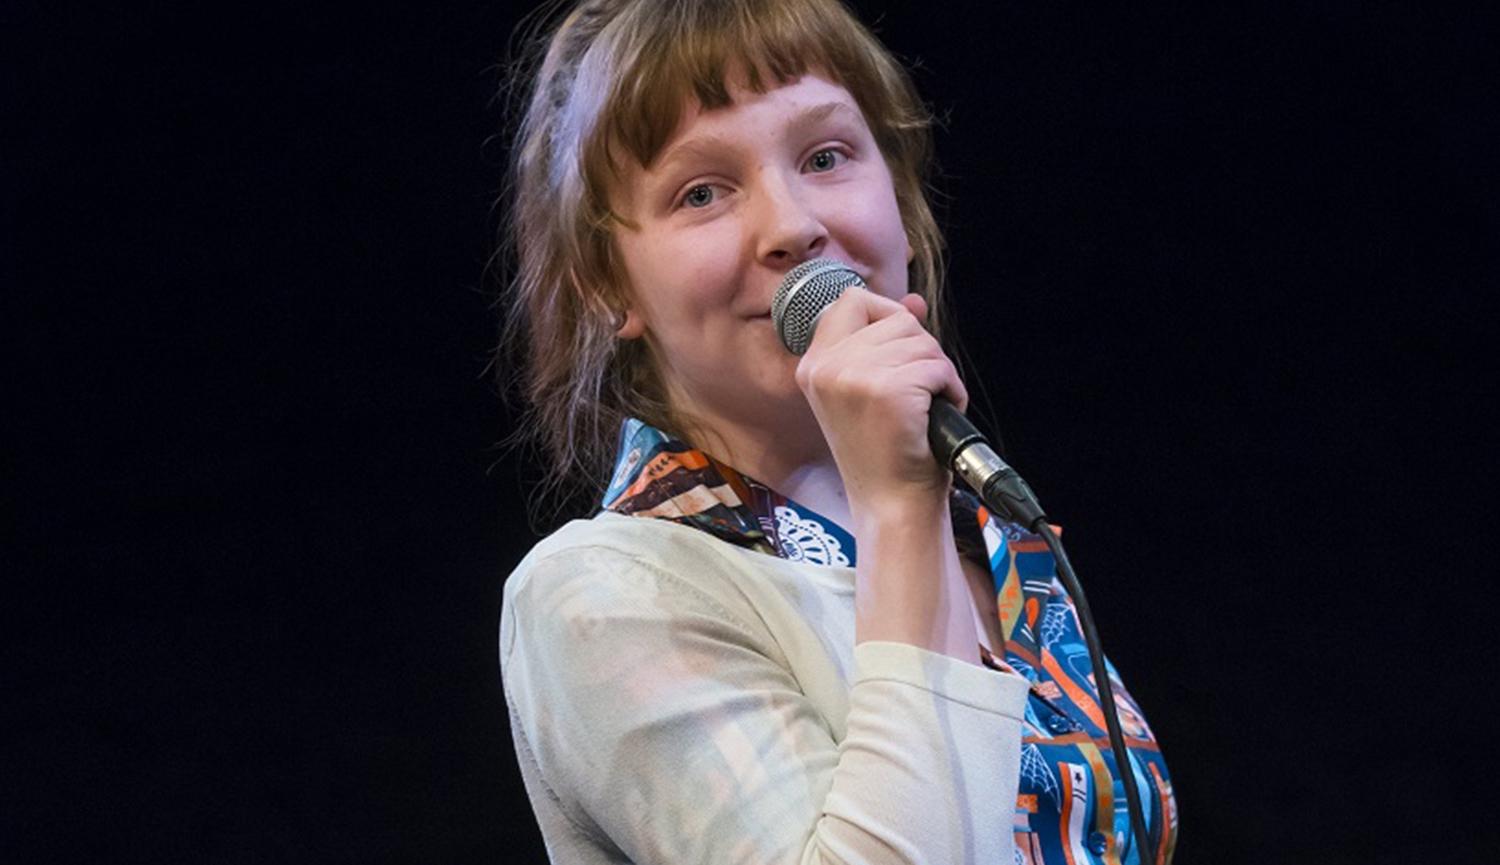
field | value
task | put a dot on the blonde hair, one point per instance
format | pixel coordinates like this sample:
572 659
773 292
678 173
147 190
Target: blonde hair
611 80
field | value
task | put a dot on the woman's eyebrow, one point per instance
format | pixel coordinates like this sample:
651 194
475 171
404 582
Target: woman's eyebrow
812 115
702 148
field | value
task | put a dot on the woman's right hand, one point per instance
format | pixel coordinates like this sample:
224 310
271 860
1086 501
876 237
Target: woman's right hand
870 376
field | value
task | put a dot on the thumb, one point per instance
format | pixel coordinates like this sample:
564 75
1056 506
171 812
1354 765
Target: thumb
917 306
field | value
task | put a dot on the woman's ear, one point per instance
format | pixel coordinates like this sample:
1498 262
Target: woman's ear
632 326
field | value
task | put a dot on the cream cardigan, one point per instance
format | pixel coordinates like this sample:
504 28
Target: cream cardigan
677 699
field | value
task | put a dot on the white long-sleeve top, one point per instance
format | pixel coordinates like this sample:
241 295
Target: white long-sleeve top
677 699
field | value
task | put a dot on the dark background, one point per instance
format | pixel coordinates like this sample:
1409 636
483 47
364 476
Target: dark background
1222 271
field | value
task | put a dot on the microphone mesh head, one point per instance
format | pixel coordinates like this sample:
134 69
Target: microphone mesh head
804 293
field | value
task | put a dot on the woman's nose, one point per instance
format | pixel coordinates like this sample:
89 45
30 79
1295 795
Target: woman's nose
790 230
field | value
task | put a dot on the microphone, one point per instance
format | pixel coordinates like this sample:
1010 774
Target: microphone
806 293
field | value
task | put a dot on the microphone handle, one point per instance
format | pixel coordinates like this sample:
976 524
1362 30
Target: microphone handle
959 447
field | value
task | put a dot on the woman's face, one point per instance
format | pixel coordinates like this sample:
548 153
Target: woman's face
738 196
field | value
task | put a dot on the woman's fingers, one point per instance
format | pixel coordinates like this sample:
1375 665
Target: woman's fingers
883 357
855 309
914 362
870 376
863 332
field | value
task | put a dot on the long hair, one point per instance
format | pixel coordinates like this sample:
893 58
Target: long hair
609 81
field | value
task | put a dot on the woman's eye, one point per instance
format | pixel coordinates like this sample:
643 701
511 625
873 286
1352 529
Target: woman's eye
701 195
825 160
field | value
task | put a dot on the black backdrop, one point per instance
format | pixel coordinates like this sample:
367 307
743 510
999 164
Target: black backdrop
1220 270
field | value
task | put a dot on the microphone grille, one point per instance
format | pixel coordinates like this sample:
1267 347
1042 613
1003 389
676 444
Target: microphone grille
804 293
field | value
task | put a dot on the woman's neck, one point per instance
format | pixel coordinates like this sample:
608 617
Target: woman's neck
790 456
818 486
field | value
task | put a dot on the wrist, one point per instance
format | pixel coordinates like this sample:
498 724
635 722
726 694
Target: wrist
913 511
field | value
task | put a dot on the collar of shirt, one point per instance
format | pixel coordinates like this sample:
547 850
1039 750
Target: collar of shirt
656 475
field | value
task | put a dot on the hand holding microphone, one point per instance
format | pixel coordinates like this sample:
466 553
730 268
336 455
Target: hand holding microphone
869 338
869 377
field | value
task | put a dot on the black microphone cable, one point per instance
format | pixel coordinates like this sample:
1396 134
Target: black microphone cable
1106 692
805 292
959 446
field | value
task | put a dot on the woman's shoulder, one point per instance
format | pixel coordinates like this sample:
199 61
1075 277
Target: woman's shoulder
611 571
610 554
611 537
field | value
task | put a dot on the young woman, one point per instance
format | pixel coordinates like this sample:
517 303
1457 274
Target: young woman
767 646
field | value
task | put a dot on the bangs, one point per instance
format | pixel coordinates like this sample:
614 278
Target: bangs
689 52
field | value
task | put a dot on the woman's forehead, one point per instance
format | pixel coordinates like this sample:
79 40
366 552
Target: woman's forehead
802 101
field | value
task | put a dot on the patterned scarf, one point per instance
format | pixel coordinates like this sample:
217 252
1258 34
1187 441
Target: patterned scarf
1071 807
